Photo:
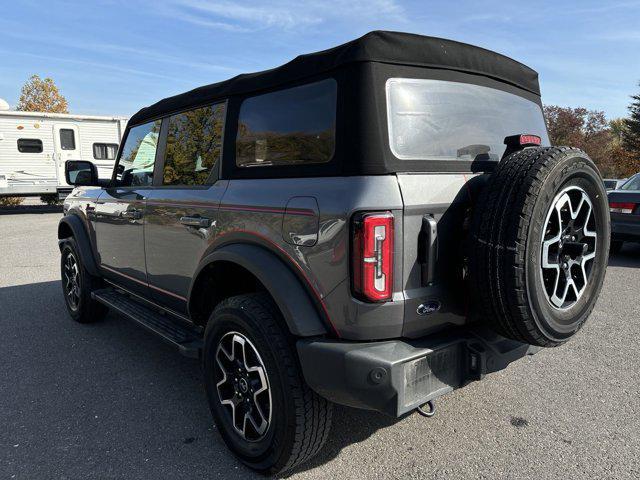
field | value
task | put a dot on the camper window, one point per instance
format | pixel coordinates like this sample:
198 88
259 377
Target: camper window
67 139
29 145
105 151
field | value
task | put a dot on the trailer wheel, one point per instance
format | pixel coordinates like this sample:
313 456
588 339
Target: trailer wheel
540 242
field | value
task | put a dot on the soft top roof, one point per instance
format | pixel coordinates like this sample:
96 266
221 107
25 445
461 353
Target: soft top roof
378 46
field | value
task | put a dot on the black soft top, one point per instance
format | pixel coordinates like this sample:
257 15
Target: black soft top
378 46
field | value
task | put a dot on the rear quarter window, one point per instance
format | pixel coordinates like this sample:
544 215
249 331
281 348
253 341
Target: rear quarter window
295 126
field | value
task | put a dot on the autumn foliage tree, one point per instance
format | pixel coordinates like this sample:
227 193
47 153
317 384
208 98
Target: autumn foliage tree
590 131
38 95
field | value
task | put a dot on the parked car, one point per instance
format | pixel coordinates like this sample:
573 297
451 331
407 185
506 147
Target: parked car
374 225
624 204
34 147
613 183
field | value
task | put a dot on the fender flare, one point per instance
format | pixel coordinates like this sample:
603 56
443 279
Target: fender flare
81 237
292 298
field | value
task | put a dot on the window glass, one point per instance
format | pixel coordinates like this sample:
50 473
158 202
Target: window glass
67 139
105 151
138 155
440 120
29 145
288 127
632 184
194 145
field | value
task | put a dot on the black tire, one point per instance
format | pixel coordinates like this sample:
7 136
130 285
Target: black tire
81 307
616 246
299 418
512 292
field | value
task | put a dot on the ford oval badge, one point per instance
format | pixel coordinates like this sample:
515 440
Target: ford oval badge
428 308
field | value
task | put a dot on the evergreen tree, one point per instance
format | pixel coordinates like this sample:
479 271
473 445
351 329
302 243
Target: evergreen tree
631 135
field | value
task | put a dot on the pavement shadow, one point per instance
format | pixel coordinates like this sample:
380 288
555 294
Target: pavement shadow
629 256
110 400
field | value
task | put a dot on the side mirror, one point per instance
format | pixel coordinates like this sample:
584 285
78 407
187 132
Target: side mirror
81 173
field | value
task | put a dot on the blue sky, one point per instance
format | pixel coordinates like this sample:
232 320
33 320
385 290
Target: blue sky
115 56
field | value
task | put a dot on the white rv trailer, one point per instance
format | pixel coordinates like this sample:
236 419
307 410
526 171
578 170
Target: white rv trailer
35 146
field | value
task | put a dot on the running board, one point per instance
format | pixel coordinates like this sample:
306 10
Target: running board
188 340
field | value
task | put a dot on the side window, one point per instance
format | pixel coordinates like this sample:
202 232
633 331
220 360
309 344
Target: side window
105 151
67 139
29 145
135 167
295 126
194 145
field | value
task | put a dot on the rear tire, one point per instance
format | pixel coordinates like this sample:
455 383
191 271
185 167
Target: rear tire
77 285
536 269
297 419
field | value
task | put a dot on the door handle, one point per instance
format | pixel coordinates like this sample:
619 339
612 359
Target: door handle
132 214
199 222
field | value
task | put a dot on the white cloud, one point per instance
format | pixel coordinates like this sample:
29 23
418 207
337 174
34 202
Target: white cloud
254 15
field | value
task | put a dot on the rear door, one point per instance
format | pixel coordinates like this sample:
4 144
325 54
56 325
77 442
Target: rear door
181 211
66 139
120 210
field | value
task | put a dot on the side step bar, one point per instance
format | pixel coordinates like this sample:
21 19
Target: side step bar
188 340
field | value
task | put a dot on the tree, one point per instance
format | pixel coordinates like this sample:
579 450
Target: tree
618 127
590 131
38 95
631 136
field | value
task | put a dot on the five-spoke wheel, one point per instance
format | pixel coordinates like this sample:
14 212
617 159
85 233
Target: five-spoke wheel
568 247
71 280
243 386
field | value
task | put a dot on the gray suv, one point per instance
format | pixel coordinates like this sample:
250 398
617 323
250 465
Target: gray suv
372 225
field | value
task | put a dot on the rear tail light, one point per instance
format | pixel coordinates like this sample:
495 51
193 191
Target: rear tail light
373 256
622 207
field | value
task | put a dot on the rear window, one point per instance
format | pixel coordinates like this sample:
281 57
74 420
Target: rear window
441 120
295 126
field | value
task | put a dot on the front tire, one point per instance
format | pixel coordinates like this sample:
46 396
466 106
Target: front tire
267 415
77 285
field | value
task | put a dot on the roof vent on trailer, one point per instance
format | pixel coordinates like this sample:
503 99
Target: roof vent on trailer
4 105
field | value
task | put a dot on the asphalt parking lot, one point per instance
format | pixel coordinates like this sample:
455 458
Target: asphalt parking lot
109 400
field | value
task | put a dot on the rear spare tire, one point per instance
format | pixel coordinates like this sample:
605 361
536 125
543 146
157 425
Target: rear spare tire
540 243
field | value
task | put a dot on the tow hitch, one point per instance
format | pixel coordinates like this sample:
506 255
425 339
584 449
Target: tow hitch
429 411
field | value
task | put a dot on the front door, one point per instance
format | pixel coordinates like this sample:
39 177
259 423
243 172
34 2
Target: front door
120 210
67 147
181 211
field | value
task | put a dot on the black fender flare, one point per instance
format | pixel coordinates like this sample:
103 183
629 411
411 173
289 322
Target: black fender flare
292 298
81 237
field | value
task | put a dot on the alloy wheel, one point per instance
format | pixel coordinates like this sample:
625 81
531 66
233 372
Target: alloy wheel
568 247
72 280
243 386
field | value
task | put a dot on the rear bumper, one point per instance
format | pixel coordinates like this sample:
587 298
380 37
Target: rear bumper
396 376
625 227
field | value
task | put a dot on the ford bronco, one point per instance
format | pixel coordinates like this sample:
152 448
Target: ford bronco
372 225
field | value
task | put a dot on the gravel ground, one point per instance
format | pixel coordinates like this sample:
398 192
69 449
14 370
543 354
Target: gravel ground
109 400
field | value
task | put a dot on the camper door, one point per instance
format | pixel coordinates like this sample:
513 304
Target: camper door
67 147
